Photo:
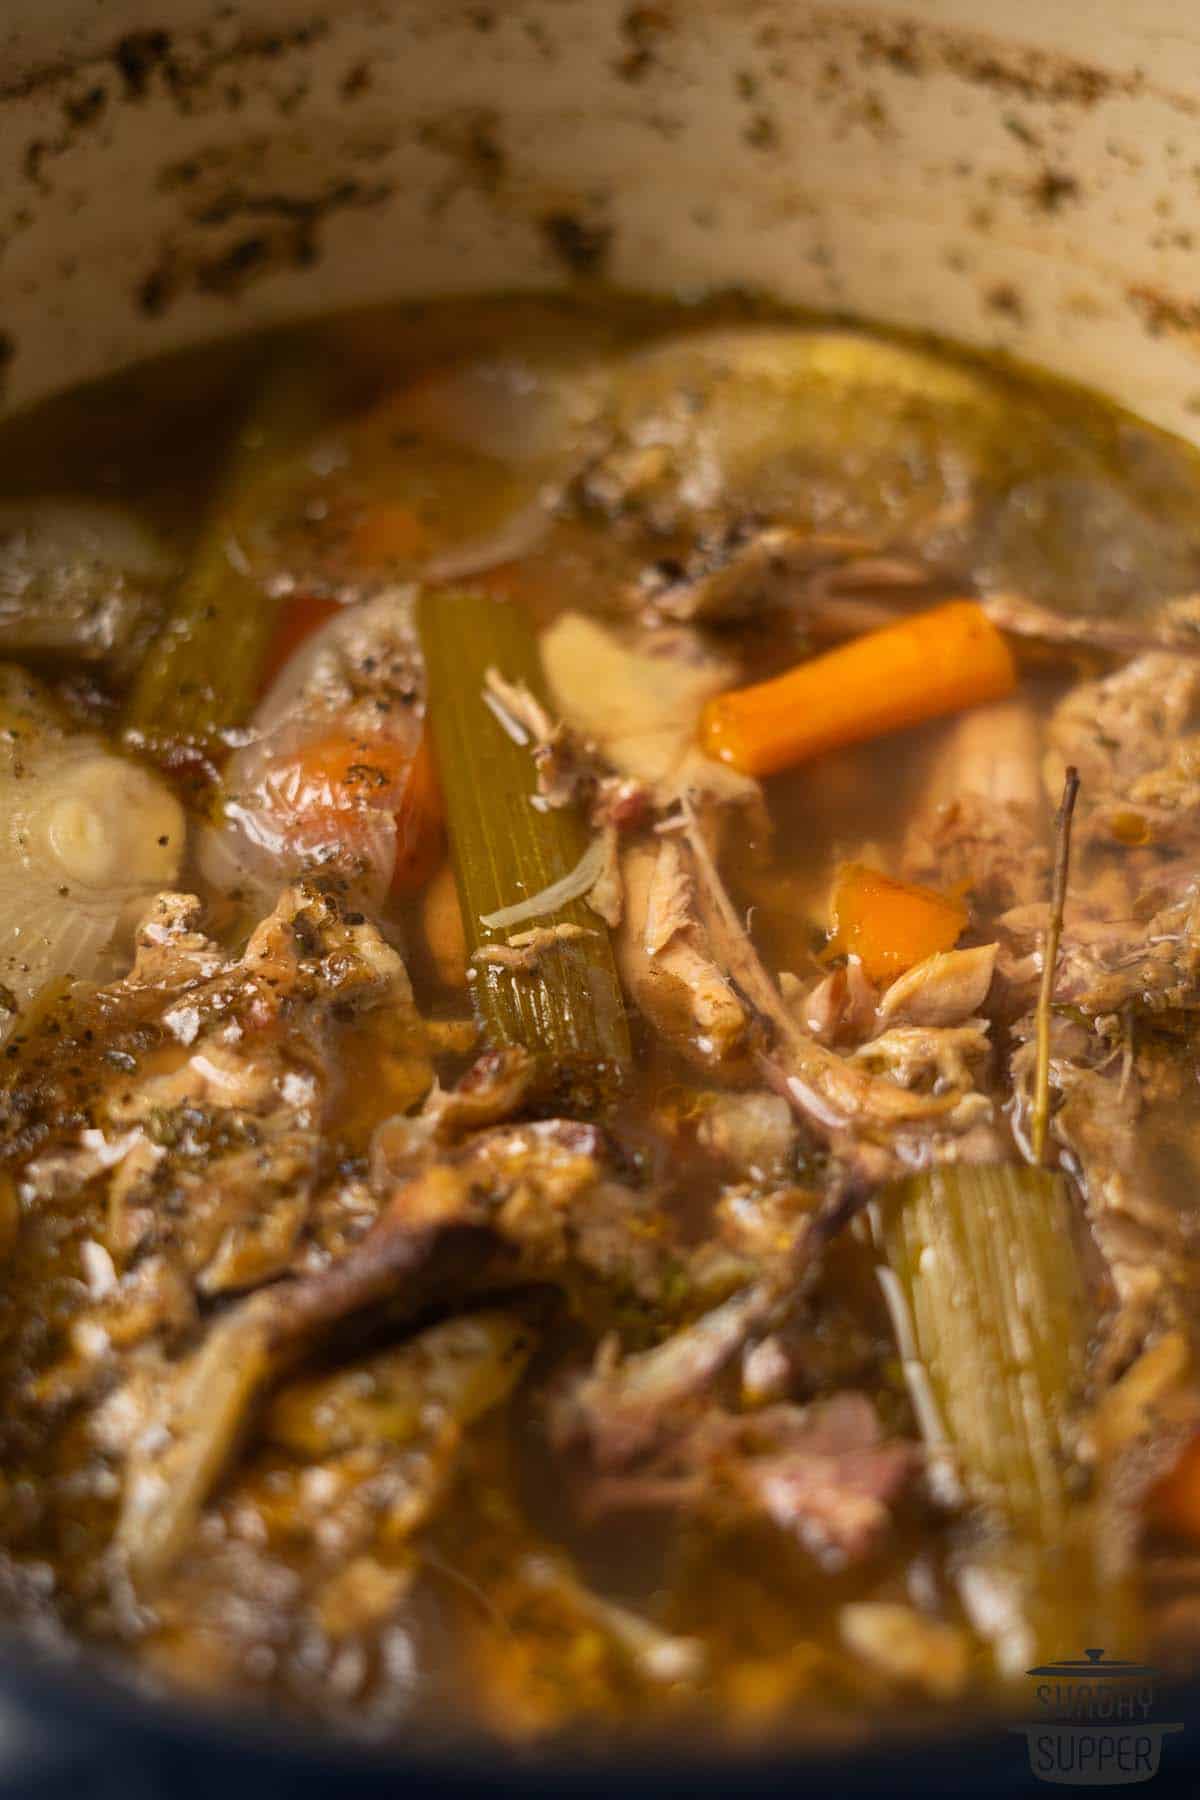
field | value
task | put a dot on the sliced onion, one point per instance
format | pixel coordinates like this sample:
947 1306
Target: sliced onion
83 832
248 854
318 678
55 942
332 682
572 886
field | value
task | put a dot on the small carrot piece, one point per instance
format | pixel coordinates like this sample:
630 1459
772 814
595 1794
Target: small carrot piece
935 662
1174 1502
890 925
389 533
420 839
299 618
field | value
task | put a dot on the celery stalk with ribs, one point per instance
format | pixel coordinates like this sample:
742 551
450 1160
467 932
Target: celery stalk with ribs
984 1288
983 1273
567 1006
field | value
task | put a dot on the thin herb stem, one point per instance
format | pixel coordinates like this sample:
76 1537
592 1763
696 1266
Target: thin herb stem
1058 898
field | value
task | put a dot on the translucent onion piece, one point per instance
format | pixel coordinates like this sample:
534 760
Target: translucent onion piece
82 832
77 577
359 677
57 941
572 886
257 848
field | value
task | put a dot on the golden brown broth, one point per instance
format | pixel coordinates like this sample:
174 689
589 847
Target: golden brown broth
154 437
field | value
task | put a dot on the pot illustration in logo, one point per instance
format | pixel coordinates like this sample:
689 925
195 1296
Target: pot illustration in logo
1095 1728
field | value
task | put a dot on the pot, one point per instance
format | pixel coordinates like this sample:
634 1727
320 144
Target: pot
1024 182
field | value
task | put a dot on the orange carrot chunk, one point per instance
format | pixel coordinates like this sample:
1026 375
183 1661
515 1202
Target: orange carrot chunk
1174 1503
299 618
889 925
936 662
390 532
419 836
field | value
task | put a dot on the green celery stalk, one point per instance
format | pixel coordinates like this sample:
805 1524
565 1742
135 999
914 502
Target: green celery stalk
201 673
569 1007
992 1320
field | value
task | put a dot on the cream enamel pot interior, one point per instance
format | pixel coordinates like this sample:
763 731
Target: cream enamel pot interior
1026 178
181 173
